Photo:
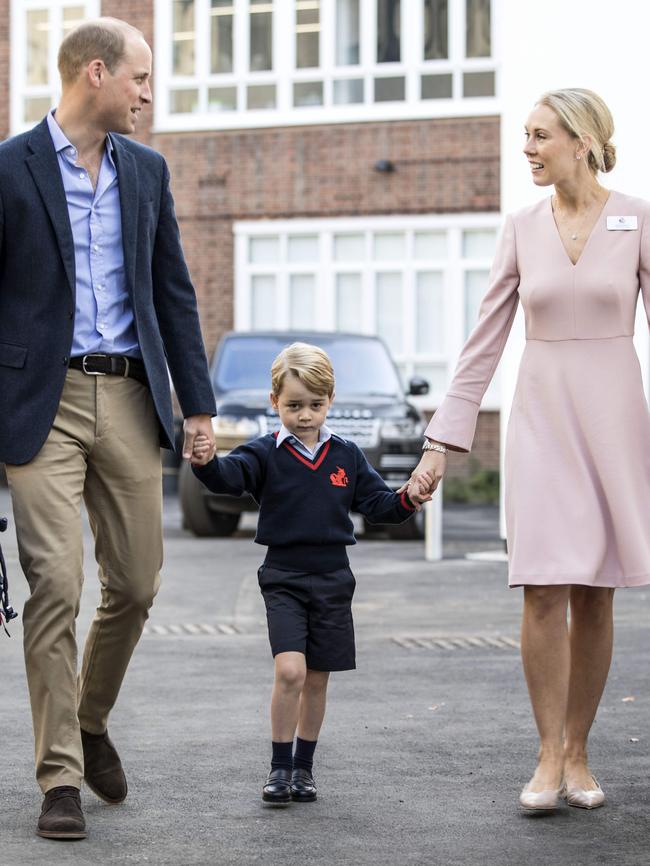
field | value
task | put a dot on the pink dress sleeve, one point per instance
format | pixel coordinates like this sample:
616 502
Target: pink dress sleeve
644 263
454 422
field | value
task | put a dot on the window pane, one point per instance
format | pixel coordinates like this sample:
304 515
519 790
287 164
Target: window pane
183 101
436 30
307 34
348 302
302 300
347 32
430 245
72 15
478 84
389 246
263 302
308 93
36 107
429 313
38 35
348 91
476 283
221 25
222 99
260 96
388 31
303 248
389 305
183 37
478 42
389 89
349 248
479 243
261 35
262 250
436 86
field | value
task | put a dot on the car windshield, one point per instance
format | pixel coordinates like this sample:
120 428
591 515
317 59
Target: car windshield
361 365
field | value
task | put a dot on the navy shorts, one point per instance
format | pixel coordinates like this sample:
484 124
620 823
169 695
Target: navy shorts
311 614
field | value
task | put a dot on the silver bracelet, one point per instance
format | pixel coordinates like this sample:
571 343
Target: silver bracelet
428 445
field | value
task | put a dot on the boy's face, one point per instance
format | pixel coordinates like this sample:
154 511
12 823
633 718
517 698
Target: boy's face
301 411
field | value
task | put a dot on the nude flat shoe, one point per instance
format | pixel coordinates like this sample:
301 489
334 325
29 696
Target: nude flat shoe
583 799
541 801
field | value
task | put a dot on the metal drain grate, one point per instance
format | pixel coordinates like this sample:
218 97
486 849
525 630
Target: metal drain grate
454 643
187 628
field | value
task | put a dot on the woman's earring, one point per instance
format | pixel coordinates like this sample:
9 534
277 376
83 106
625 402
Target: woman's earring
578 156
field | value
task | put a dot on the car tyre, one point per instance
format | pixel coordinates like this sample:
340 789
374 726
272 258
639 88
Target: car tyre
411 530
198 518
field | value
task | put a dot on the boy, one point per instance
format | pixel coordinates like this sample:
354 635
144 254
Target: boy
306 480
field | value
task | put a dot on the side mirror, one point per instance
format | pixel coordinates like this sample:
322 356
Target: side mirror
418 386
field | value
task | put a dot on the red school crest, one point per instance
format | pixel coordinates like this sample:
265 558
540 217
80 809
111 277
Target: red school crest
339 478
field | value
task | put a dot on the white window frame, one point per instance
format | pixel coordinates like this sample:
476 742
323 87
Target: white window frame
453 268
284 74
19 89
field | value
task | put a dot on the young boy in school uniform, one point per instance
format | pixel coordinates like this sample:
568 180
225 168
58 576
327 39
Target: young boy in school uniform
306 480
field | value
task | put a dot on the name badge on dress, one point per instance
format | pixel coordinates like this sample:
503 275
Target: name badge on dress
622 224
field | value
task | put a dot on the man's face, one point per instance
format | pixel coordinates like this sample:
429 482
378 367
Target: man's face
127 90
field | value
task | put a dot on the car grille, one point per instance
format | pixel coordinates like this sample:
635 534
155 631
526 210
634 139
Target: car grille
364 432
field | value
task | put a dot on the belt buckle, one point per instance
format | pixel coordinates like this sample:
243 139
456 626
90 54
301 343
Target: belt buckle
92 372
125 375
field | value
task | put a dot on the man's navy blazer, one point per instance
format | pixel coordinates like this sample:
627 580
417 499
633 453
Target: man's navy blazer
37 289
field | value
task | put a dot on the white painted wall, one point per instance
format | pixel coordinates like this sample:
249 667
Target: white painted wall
572 43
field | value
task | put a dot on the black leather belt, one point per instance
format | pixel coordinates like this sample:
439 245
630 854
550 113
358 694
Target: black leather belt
100 364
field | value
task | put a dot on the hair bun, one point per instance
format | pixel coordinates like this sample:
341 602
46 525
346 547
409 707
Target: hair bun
609 156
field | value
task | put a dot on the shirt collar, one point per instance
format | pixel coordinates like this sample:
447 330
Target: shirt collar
323 435
61 142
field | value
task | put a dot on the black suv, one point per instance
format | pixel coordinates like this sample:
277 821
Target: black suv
370 409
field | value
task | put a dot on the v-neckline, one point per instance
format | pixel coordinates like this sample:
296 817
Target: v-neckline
601 213
310 464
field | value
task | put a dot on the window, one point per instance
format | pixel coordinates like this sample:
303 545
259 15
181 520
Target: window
37 28
230 63
415 281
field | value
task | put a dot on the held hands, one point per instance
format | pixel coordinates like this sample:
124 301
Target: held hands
202 451
418 489
198 432
427 474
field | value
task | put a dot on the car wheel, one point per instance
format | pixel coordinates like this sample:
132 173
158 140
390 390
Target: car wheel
197 517
411 530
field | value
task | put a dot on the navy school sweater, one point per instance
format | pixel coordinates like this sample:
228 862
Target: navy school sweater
305 504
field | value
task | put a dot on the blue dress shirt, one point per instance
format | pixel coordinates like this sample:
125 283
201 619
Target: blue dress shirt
103 313
323 435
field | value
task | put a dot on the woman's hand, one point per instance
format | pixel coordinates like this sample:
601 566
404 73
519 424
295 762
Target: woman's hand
434 464
418 490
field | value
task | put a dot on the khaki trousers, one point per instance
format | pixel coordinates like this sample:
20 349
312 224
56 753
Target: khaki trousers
103 447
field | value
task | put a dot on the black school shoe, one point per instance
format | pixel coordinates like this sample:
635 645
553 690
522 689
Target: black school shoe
61 815
277 790
303 787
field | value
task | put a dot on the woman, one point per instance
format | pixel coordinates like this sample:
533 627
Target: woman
577 452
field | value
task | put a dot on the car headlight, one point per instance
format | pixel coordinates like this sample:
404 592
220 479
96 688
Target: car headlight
402 428
230 431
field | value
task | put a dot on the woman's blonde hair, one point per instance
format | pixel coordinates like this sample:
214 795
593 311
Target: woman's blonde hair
583 113
310 364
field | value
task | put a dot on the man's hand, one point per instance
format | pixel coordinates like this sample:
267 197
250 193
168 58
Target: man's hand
198 425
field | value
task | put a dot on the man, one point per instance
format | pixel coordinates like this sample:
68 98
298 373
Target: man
95 302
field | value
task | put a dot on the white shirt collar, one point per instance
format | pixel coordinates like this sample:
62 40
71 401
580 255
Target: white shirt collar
323 435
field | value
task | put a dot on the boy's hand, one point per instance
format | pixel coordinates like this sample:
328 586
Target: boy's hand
201 450
418 489
193 427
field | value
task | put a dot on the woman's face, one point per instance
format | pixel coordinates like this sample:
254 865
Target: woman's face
550 150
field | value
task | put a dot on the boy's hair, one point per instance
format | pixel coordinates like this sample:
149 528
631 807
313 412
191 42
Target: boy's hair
310 364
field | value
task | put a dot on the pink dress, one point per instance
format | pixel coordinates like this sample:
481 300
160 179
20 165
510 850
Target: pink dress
577 471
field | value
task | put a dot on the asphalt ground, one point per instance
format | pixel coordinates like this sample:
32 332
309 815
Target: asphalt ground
425 746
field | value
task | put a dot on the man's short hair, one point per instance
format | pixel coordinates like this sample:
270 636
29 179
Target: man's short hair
98 38
310 364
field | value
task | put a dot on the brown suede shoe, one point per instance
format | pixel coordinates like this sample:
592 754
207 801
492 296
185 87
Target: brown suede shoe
103 771
61 815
